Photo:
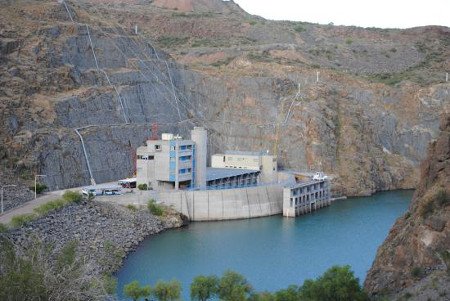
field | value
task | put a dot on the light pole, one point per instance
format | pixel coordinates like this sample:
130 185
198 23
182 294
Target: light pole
2 192
35 184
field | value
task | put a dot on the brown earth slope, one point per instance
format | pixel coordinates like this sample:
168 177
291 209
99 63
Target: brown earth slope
414 260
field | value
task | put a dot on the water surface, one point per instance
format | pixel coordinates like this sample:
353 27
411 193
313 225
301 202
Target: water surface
271 252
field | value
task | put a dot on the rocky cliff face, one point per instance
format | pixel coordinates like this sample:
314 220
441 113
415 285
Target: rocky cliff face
359 103
414 260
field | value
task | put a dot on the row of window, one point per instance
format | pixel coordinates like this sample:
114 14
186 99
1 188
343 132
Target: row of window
184 171
145 157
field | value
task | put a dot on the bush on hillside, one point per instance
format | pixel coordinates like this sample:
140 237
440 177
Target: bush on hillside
155 208
337 283
39 188
142 187
20 220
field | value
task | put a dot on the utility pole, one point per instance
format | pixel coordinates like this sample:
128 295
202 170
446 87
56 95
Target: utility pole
446 77
35 184
135 29
2 190
317 76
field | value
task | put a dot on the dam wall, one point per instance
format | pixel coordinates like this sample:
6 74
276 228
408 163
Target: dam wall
226 204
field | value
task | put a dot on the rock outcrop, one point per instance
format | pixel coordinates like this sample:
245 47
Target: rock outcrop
104 233
414 260
251 82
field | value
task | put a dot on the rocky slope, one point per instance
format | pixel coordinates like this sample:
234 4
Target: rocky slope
414 260
104 233
251 82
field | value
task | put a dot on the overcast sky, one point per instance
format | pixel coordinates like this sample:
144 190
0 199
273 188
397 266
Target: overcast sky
373 13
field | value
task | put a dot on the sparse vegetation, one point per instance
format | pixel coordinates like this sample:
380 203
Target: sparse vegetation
299 28
172 41
417 272
426 208
131 207
40 272
155 208
441 198
222 62
3 228
446 258
68 198
20 220
259 57
348 41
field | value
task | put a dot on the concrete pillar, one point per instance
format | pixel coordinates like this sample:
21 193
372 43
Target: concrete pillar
200 136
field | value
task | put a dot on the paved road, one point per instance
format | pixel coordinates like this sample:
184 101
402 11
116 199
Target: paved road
29 206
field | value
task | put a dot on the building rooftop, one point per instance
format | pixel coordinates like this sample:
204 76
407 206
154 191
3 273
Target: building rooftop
220 173
246 153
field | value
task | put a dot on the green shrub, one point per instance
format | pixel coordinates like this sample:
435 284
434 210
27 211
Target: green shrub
20 220
3 228
417 272
393 50
167 291
142 187
233 287
172 41
72 196
50 206
135 291
155 208
337 283
299 28
39 188
204 287
348 41
131 207
68 198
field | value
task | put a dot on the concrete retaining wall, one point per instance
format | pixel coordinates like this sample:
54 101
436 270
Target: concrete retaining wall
226 204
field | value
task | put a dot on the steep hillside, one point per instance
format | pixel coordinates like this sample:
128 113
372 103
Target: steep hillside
359 103
414 260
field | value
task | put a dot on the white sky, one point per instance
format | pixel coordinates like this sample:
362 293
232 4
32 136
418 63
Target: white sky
373 13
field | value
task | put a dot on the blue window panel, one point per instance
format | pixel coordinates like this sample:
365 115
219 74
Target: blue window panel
172 178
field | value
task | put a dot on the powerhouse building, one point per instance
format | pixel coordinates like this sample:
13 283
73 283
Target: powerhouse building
175 163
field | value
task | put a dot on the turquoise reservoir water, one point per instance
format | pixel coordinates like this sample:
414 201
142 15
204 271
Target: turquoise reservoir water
272 252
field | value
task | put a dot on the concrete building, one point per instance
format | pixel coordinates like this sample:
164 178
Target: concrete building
167 163
304 197
174 163
261 161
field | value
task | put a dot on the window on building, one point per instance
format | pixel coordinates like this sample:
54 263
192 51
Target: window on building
151 157
157 147
172 147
